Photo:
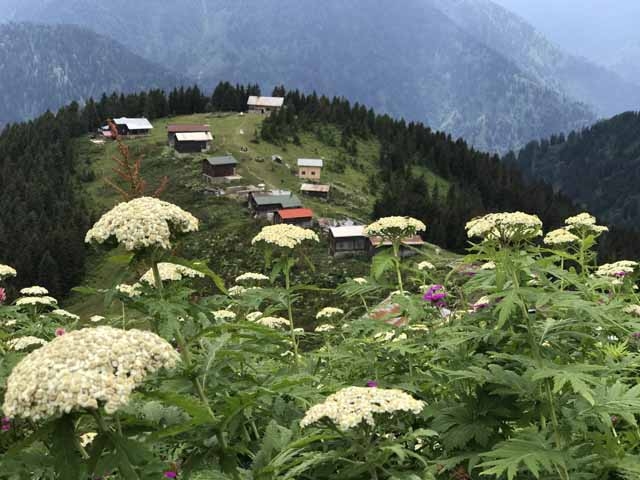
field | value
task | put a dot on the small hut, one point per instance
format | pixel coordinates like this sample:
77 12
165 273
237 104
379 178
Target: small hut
303 217
218 169
310 168
349 240
264 105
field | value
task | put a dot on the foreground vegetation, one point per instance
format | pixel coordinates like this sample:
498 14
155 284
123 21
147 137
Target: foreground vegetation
519 362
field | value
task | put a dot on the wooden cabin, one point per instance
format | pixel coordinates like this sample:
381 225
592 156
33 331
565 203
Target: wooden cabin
302 217
264 105
315 190
219 168
174 129
349 240
132 126
407 249
196 142
310 168
265 204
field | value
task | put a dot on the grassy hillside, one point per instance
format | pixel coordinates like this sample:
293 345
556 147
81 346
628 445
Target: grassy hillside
226 226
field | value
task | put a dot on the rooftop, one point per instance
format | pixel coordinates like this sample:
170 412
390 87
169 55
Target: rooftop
312 187
285 201
227 160
194 137
187 127
134 123
310 162
347 232
265 101
293 213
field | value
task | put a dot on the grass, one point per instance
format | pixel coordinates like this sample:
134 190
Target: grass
226 226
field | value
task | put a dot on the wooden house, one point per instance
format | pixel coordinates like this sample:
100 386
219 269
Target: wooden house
303 217
219 168
349 240
315 190
196 142
310 168
265 204
132 126
407 248
174 129
264 105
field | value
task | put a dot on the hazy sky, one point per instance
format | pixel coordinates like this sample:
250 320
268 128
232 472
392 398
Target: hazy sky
596 29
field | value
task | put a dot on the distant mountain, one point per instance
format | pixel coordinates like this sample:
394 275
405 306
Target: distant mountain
518 41
598 167
45 67
406 59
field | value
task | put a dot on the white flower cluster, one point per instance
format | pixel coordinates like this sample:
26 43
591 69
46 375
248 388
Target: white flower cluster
504 226
253 316
6 271
272 322
134 290
87 438
352 406
632 310
395 227
426 266
360 280
560 236
85 369
96 318
170 272
584 221
22 343
328 312
47 301
285 235
617 269
64 314
325 327
34 291
236 290
142 222
251 277
224 315
488 266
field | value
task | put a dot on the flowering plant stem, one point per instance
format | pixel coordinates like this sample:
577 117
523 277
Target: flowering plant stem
396 254
287 282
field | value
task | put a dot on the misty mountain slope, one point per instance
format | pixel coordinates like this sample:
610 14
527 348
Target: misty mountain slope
517 40
45 67
598 167
411 61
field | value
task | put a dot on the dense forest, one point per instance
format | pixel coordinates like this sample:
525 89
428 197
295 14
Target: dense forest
44 217
598 167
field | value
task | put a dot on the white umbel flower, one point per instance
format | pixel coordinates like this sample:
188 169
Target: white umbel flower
170 272
224 315
96 318
251 277
131 291
64 314
6 271
324 328
236 291
22 343
253 316
617 269
284 235
353 406
34 291
273 322
488 266
328 312
47 301
87 438
584 222
85 369
504 226
426 266
141 223
632 310
360 281
394 227
560 236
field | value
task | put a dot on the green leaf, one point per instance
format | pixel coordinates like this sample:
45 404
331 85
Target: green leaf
382 263
68 462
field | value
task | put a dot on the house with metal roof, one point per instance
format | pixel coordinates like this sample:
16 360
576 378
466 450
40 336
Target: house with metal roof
264 105
192 142
219 168
303 217
266 204
349 240
315 190
310 168
176 128
133 126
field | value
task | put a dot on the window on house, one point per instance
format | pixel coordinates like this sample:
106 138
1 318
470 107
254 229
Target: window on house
313 173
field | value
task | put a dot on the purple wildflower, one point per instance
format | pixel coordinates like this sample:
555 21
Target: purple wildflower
60 332
6 424
3 295
170 474
435 295
372 384
620 274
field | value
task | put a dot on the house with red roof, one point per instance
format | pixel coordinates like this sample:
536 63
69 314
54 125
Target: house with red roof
303 217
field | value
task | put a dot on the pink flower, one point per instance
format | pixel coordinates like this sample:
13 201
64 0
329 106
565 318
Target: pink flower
3 295
372 384
60 332
436 295
170 474
6 424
